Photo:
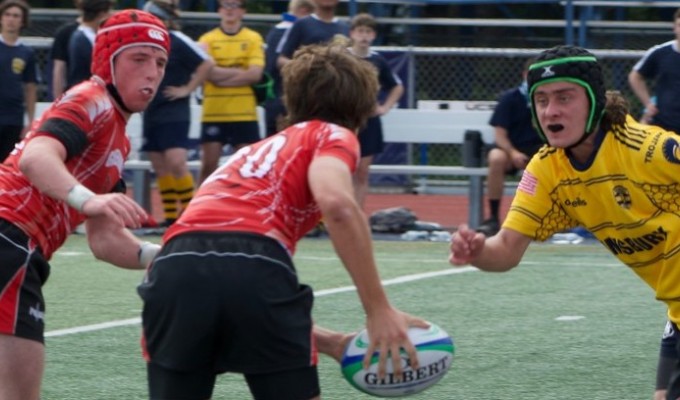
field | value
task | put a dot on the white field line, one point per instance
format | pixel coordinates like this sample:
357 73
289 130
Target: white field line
319 293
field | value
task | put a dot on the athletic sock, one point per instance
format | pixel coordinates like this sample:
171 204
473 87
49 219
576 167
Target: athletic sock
185 190
168 191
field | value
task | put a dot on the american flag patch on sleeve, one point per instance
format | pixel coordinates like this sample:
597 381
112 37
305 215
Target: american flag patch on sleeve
528 183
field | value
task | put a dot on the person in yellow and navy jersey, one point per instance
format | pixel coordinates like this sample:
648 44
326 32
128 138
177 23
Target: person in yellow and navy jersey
229 104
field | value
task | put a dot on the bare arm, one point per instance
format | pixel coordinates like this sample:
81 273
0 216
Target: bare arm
498 253
502 139
30 98
234 77
281 61
42 162
330 181
58 78
392 98
639 86
110 241
199 76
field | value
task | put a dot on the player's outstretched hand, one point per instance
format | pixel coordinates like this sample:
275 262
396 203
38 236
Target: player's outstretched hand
388 334
118 206
466 245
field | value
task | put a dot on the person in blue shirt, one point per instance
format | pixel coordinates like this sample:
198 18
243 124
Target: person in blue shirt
59 53
317 28
516 142
18 75
81 41
363 31
167 120
661 64
274 108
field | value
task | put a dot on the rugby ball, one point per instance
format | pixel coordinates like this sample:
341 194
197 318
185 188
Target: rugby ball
435 350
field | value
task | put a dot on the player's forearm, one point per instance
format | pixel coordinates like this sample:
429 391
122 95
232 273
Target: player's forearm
500 253
44 167
351 239
112 243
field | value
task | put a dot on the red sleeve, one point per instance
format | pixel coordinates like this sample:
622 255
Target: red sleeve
341 143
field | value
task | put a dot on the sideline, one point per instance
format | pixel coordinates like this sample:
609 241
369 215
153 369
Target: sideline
319 293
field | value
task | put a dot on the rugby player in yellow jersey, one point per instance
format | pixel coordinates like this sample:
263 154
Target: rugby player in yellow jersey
229 105
601 170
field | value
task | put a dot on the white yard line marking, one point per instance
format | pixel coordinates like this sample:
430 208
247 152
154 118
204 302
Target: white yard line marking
95 327
320 293
569 318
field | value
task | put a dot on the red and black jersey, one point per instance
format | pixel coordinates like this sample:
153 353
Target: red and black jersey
91 128
263 188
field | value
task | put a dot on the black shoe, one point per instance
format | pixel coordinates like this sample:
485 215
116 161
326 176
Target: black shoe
489 227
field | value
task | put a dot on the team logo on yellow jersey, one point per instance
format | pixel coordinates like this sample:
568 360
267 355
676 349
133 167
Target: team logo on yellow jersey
671 150
622 196
636 244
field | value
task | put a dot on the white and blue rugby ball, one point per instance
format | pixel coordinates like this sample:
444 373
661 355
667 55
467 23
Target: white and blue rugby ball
435 350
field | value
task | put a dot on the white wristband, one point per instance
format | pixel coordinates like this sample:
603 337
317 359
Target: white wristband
147 252
78 195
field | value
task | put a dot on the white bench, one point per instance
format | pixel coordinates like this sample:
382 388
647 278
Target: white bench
411 126
427 125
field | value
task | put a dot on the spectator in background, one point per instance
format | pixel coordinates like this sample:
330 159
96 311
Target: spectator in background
167 119
82 40
363 30
191 5
516 141
229 105
68 170
59 52
18 74
274 109
318 28
661 63
321 27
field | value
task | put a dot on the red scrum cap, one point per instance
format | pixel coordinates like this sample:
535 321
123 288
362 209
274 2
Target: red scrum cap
125 29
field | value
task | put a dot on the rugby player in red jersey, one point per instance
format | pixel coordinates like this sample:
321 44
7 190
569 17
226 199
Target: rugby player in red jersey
223 294
67 171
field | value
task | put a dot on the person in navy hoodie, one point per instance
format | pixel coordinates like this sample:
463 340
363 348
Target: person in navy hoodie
18 75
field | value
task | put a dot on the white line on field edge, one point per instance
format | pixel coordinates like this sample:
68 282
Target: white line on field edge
320 293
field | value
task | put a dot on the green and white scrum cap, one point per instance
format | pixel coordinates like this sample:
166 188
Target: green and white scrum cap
569 64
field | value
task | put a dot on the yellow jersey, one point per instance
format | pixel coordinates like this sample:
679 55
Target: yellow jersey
240 50
627 195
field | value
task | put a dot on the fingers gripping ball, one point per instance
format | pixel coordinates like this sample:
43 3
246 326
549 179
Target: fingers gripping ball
435 350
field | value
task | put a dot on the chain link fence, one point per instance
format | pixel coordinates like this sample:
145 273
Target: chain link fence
440 73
